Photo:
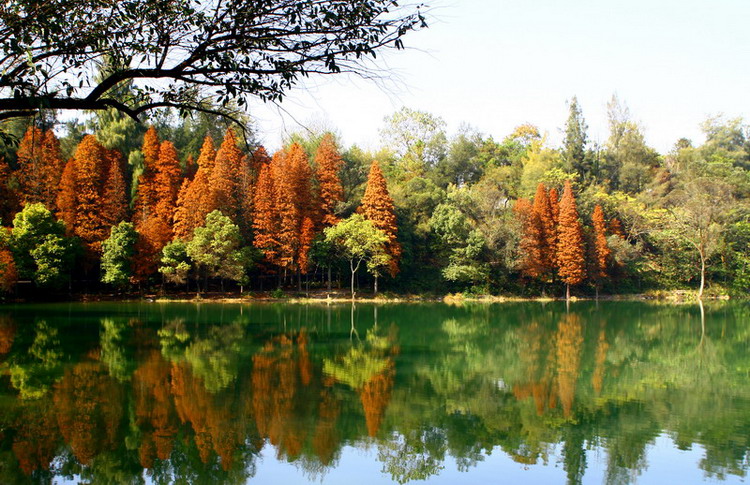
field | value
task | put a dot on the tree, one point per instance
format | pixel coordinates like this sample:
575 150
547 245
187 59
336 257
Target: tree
532 242
377 206
193 197
418 138
459 244
40 249
570 251
145 194
328 162
265 223
117 254
601 248
574 146
224 178
114 194
360 241
90 162
8 195
166 182
184 53
696 214
217 248
175 263
40 166
8 272
66 197
548 231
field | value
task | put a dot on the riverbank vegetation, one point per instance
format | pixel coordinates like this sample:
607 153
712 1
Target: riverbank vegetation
106 205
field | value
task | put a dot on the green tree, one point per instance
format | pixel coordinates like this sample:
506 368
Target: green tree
359 241
574 146
216 248
175 263
459 244
117 254
418 139
40 248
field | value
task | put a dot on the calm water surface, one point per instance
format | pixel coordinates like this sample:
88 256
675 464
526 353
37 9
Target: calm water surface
512 393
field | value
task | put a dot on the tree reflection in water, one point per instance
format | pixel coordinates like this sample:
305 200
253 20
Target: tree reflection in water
103 394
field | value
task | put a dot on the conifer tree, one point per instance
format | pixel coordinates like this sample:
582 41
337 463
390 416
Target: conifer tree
287 205
245 198
90 172
601 248
8 195
547 230
166 182
570 251
66 197
145 196
574 146
554 203
328 163
532 240
377 206
39 166
306 204
223 179
193 205
258 159
114 197
265 223
615 227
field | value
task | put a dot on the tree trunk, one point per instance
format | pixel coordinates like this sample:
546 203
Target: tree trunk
703 277
299 280
567 292
329 279
375 286
351 265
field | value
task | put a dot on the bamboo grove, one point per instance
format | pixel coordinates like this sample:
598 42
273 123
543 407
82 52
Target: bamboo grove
190 205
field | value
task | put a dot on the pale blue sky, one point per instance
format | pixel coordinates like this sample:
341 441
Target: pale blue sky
495 64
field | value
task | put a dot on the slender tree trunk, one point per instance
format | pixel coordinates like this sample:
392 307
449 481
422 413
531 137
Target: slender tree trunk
375 286
703 277
354 270
567 292
329 279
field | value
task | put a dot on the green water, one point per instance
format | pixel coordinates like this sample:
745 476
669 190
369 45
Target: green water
507 393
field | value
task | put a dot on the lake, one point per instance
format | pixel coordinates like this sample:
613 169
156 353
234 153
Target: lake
615 392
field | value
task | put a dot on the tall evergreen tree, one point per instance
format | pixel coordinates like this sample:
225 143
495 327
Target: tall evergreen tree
114 196
265 222
223 179
570 251
574 146
194 199
548 231
166 182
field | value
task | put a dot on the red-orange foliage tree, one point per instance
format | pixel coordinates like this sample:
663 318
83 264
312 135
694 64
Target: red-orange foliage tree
39 167
532 243
166 182
8 195
554 204
266 221
8 272
601 248
193 204
548 232
570 251
224 181
377 206
328 163
90 174
66 197
114 197
145 196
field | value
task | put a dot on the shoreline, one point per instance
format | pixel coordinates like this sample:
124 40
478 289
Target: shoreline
318 297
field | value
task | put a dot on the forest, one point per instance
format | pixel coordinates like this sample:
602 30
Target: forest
105 205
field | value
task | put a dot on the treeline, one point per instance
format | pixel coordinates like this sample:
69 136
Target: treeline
192 205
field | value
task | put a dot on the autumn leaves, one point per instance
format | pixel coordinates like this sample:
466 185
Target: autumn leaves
552 244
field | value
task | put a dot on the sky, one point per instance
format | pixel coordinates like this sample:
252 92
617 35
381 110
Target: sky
496 64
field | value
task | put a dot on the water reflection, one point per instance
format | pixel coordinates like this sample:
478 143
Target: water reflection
188 394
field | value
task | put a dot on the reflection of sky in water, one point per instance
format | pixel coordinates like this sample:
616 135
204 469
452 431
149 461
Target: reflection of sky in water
665 464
